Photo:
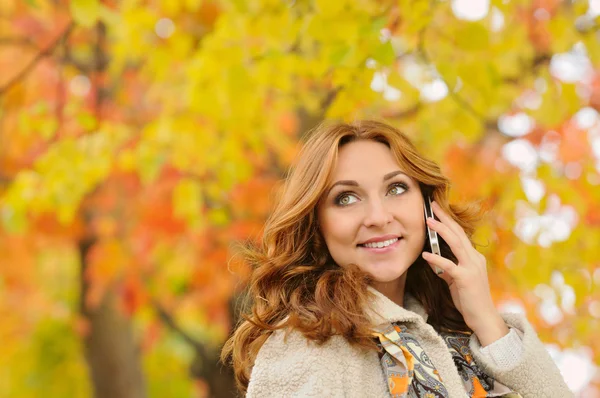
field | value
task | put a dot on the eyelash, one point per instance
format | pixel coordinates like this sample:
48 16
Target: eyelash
341 195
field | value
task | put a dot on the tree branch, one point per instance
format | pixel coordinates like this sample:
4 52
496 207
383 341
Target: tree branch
60 93
206 364
44 53
25 41
101 63
4 180
168 320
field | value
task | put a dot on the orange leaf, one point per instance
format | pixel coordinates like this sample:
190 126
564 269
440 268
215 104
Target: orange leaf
106 259
574 145
132 294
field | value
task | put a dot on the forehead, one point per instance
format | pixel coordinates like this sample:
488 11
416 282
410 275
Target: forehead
364 158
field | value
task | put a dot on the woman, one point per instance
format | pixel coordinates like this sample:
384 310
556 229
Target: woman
346 299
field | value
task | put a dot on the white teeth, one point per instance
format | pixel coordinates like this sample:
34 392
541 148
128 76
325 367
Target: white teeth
380 244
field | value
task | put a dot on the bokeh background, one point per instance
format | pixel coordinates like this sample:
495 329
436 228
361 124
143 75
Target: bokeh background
140 139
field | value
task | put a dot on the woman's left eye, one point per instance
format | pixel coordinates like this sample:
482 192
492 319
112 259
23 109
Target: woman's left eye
398 185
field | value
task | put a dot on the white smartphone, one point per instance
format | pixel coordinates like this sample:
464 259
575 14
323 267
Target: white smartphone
431 234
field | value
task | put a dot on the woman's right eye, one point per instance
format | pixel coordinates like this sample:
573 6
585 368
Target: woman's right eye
340 199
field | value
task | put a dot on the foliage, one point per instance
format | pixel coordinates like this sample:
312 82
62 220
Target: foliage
159 129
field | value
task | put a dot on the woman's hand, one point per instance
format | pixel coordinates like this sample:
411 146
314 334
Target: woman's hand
468 280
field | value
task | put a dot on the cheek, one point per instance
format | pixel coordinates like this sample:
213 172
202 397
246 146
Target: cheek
419 226
337 229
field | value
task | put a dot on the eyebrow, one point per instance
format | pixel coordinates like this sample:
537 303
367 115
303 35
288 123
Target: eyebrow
355 184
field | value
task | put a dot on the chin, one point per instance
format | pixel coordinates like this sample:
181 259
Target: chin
384 276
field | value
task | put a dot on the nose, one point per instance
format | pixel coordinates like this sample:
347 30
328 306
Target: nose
377 214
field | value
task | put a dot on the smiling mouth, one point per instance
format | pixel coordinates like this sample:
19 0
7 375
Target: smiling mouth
380 245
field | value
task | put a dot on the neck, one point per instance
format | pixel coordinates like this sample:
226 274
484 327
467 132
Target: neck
394 290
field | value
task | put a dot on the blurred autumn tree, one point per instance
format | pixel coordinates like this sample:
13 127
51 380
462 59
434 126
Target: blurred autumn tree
139 139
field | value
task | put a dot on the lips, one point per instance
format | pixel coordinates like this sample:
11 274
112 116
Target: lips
391 248
380 239
399 238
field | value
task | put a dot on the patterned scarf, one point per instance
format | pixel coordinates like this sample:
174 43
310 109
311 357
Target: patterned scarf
411 373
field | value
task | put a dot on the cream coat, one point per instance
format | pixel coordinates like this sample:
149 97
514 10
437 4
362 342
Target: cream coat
296 367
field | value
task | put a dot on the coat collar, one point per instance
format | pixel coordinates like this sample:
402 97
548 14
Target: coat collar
384 310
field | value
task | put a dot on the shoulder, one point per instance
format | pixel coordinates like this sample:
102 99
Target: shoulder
293 341
290 350
289 364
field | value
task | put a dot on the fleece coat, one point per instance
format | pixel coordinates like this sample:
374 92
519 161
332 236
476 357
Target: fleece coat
293 366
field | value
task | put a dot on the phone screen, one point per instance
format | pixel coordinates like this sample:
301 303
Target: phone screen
431 234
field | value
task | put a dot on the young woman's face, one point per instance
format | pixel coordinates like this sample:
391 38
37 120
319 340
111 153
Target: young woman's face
374 200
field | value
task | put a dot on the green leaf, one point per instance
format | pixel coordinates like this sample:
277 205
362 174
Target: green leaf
378 23
384 54
340 54
85 12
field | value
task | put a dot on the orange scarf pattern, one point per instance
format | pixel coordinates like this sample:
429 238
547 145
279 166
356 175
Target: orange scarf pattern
410 372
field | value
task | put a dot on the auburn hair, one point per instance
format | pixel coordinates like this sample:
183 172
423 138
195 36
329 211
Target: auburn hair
295 283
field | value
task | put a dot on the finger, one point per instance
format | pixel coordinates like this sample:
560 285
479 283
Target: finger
455 243
451 224
469 251
448 267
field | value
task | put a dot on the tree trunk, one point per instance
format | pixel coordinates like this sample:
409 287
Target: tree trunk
112 355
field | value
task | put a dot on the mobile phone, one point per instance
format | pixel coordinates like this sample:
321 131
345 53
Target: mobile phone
431 234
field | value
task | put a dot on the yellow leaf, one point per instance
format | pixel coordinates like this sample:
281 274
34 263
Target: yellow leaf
171 7
398 81
416 14
85 12
187 200
562 32
48 128
193 5
87 121
108 16
218 216
330 8
592 46
472 36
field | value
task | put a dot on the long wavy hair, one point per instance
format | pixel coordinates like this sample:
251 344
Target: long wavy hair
295 284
